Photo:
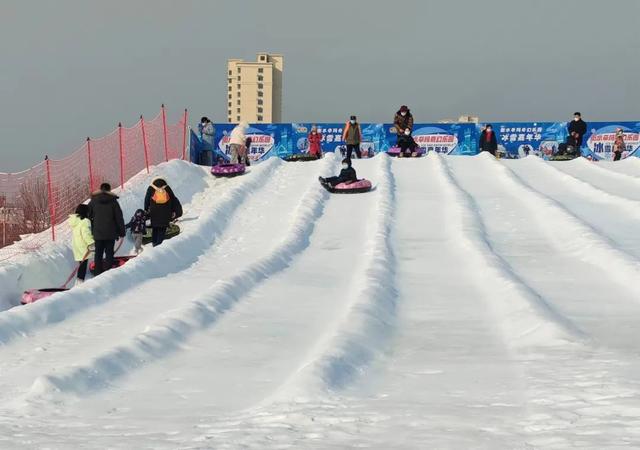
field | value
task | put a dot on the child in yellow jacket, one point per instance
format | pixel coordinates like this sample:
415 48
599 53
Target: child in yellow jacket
82 240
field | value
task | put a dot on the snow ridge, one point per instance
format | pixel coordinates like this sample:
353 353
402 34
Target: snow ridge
180 250
575 236
362 335
525 316
585 188
167 334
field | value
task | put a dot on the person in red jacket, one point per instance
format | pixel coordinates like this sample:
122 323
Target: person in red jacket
315 138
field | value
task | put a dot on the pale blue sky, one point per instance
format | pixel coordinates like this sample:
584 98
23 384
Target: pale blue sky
74 68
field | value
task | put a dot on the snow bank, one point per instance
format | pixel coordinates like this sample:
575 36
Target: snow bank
524 316
50 265
167 334
172 256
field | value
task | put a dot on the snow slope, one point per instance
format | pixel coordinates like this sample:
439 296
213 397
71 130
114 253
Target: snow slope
464 303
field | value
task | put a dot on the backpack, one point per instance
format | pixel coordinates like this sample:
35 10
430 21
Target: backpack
160 196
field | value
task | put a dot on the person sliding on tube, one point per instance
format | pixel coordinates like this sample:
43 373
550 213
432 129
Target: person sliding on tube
406 143
347 175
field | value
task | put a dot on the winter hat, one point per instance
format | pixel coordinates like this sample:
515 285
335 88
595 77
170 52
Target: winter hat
347 161
404 108
205 119
577 114
105 187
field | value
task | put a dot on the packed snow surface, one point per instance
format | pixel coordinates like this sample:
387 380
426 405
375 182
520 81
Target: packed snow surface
464 302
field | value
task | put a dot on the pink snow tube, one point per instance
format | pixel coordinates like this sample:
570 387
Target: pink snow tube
33 295
352 188
227 170
395 151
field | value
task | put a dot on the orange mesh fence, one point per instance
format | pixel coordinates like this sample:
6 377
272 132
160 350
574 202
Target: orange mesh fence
42 197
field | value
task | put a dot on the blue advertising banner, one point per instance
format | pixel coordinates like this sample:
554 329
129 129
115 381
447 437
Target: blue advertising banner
515 139
519 139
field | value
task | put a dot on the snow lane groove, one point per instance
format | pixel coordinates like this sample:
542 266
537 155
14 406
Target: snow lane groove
578 238
181 251
362 335
530 319
164 336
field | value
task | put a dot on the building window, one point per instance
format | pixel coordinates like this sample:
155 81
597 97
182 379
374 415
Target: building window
238 77
238 69
238 110
230 73
230 104
238 102
260 86
260 78
259 109
259 118
229 113
260 70
238 118
229 88
259 93
259 101
238 93
229 96
238 86
263 58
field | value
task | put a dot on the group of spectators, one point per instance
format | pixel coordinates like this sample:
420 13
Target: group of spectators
98 225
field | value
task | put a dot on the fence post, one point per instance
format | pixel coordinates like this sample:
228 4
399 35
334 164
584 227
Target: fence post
121 155
144 143
52 206
164 133
90 165
184 135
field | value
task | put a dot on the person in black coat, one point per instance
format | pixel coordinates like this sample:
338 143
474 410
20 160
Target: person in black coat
488 141
107 225
347 175
406 143
162 207
579 126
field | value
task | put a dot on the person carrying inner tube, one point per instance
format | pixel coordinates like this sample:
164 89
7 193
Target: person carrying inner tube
347 175
406 143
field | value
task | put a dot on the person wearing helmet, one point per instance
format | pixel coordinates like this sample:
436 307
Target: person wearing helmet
347 175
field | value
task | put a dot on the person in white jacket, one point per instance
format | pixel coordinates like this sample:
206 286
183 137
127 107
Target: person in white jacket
236 143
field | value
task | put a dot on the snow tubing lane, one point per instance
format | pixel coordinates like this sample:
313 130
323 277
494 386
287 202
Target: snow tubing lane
301 157
228 170
172 231
395 151
357 187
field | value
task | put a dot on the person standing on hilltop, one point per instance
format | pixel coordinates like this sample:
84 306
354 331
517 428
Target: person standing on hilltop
488 140
352 135
403 120
578 126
